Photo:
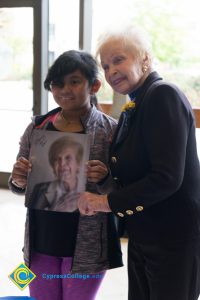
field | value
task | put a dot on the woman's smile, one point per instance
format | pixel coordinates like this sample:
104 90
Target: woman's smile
117 81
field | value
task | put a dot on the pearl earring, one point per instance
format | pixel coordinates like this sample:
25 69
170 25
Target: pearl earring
144 68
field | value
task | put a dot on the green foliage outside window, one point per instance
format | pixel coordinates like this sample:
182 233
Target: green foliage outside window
174 27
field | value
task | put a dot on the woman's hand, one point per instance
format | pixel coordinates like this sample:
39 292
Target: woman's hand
96 170
20 172
89 204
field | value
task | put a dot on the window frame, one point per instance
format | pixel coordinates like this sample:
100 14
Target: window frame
197 117
40 56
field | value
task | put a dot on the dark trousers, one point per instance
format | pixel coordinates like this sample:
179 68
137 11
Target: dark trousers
164 271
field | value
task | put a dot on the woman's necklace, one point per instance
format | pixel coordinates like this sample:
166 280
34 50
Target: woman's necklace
67 122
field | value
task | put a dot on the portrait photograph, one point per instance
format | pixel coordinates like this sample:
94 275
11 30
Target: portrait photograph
57 175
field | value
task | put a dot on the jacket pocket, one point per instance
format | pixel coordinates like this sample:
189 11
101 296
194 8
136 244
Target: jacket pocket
91 244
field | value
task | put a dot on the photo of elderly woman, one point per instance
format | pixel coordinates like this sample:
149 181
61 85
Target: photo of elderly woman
62 181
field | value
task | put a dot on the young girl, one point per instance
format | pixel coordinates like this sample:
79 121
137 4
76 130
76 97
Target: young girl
64 243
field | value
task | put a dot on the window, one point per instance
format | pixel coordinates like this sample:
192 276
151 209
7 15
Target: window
16 61
174 27
63 31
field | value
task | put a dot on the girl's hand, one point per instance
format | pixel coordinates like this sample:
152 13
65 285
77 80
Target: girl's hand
96 170
20 172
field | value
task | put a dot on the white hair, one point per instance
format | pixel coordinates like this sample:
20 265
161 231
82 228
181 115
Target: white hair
132 38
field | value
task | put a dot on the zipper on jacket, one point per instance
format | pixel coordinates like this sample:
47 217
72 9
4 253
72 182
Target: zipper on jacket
101 239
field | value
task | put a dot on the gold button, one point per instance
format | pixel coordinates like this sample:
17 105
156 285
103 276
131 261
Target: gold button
114 159
120 214
129 212
139 208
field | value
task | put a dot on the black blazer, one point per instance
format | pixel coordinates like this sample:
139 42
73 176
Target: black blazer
153 158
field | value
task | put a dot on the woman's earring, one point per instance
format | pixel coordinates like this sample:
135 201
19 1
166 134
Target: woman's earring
144 68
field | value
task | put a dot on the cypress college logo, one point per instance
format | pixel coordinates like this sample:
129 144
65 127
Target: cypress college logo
22 276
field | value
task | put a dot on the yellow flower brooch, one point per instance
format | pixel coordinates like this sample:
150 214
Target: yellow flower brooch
129 105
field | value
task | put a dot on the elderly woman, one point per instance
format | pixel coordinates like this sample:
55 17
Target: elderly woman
153 159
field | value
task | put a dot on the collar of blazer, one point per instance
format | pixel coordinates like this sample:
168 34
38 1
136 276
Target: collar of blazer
125 117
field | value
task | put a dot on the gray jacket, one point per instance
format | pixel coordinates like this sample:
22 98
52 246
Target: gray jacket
92 243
